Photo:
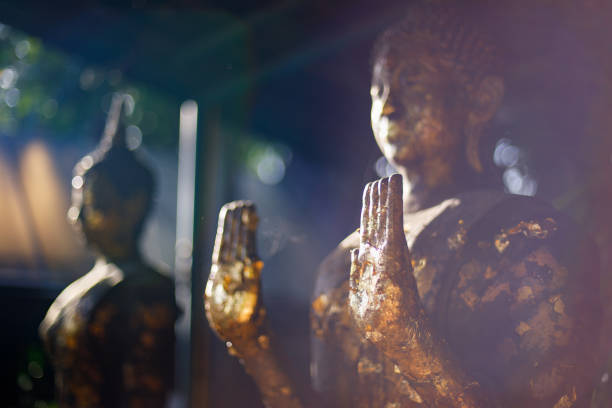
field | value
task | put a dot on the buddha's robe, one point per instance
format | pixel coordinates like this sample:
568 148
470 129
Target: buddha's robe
110 335
510 283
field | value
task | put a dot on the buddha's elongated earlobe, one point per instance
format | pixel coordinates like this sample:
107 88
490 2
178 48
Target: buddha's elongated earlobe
472 134
486 102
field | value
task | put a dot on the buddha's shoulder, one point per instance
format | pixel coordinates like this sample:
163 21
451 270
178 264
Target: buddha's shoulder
77 301
107 281
146 278
444 229
142 285
479 209
473 218
528 220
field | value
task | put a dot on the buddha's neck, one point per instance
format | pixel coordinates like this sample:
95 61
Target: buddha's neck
420 193
121 254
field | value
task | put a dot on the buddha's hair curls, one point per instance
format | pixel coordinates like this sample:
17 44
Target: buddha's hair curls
449 31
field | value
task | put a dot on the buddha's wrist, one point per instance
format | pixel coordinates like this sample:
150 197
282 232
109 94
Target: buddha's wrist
257 355
250 347
248 338
426 361
414 347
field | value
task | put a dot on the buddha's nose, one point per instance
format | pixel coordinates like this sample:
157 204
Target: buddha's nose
388 109
392 109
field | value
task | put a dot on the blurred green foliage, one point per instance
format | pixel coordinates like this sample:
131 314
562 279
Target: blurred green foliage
44 92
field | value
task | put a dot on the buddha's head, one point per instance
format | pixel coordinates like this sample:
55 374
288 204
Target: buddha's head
112 192
434 88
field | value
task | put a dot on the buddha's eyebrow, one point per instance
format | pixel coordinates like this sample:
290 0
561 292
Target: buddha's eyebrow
428 64
414 69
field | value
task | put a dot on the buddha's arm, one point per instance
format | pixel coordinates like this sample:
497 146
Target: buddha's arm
385 305
234 308
149 366
136 340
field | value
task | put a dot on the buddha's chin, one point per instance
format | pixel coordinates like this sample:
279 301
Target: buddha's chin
401 155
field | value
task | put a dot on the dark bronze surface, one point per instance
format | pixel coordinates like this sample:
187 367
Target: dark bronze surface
233 303
110 334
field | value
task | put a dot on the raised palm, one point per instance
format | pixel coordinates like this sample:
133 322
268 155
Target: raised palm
383 294
233 292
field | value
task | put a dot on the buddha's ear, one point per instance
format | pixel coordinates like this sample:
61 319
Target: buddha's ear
485 101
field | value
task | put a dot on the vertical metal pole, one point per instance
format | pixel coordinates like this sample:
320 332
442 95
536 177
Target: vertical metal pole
209 182
185 201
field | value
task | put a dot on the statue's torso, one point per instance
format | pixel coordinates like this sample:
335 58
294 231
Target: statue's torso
102 331
506 280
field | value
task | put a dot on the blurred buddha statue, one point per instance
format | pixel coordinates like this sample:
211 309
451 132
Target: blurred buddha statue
110 334
446 296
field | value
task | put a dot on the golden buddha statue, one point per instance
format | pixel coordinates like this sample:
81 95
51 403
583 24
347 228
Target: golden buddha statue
110 334
444 297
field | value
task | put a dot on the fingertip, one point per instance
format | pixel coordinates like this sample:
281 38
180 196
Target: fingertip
223 214
227 220
395 205
384 191
223 234
365 208
234 235
375 192
395 183
354 273
241 216
384 182
375 209
366 193
249 216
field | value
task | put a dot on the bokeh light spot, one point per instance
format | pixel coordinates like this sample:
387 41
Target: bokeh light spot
8 78
22 49
24 382
270 168
35 370
383 168
87 79
77 182
49 108
133 137
11 97
87 162
73 214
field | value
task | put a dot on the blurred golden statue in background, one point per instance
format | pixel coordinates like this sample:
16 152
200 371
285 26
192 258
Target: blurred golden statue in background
446 296
110 334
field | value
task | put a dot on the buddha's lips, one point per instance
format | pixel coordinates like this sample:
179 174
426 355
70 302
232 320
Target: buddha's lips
399 133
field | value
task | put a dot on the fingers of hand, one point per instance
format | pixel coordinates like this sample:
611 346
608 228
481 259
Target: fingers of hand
369 214
382 212
394 214
364 230
374 213
249 221
384 225
235 232
220 240
355 274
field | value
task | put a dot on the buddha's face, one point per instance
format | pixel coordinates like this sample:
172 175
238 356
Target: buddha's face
418 110
109 221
